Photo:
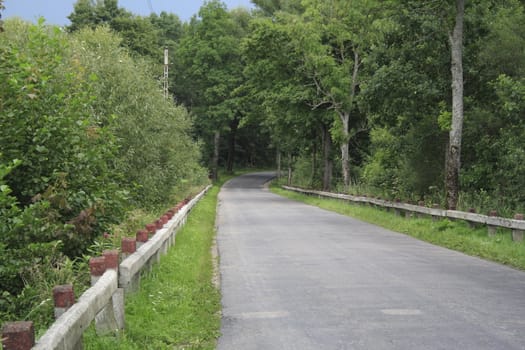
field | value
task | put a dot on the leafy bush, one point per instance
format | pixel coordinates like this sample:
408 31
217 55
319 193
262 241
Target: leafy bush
63 152
86 136
155 151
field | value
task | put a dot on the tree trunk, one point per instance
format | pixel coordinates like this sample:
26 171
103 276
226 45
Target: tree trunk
314 162
289 169
215 158
455 136
327 161
345 120
278 163
234 125
345 154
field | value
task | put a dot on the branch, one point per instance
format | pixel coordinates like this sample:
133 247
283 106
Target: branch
329 97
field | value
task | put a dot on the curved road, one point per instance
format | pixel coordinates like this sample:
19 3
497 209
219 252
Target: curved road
298 277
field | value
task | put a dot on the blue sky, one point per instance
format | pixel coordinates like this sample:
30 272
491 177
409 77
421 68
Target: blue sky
56 11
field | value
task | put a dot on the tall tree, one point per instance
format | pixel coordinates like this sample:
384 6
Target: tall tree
2 7
336 38
277 80
138 33
209 70
453 163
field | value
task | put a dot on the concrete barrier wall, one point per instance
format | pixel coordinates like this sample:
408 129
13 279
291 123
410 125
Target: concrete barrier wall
517 225
133 265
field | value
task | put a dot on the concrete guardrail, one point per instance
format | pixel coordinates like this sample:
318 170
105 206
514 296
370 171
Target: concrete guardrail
517 225
110 280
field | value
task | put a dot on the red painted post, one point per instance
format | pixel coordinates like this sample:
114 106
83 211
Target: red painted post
159 224
151 228
18 335
64 298
142 237
97 267
128 246
517 235
111 257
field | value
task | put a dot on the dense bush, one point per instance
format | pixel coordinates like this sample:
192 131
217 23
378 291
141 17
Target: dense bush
155 151
86 137
63 153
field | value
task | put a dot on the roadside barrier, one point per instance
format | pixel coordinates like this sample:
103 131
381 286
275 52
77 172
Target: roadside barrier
110 281
492 221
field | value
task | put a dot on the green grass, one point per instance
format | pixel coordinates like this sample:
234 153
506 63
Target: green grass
177 307
456 235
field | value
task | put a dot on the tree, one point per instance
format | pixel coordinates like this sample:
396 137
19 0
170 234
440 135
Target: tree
336 38
454 148
209 70
2 7
139 34
271 7
155 150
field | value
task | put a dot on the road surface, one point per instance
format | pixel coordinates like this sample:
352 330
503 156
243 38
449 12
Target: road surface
298 277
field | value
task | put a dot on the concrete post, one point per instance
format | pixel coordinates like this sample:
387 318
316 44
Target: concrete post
106 320
492 229
142 237
97 267
18 336
128 246
470 223
111 258
420 215
434 217
64 298
408 213
397 211
151 228
517 235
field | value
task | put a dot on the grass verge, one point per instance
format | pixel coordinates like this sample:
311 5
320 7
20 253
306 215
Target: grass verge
456 235
177 306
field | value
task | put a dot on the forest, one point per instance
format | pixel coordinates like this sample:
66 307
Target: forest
402 99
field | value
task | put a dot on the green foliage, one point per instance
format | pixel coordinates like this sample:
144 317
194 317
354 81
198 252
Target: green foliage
86 135
209 81
63 152
139 34
155 151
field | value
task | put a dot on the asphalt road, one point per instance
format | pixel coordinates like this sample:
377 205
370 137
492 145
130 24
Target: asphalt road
299 277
